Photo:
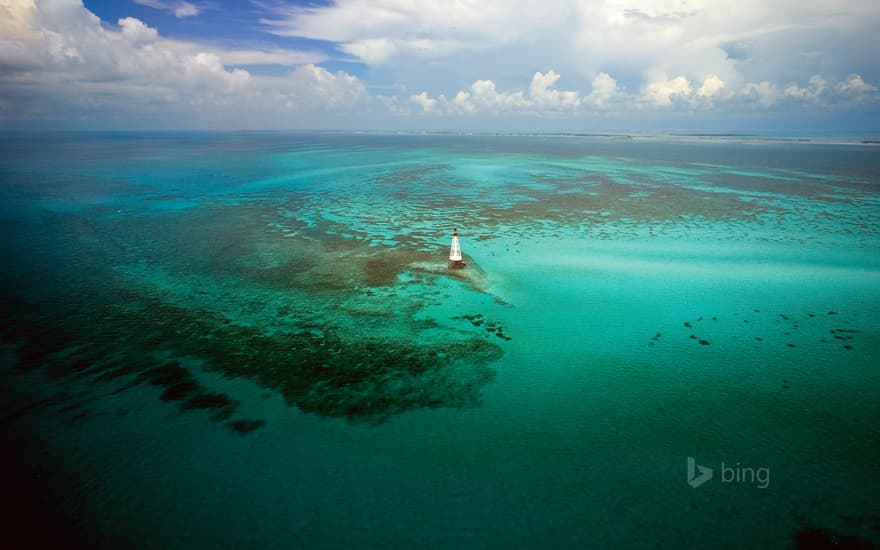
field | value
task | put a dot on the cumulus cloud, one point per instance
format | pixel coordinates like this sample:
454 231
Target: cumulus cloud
57 58
855 85
70 45
17 20
458 60
662 92
748 41
317 88
812 92
604 91
543 94
411 41
136 32
818 91
763 94
461 103
423 101
711 86
483 96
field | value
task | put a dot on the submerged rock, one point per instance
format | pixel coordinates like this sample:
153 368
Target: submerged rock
180 391
475 320
245 427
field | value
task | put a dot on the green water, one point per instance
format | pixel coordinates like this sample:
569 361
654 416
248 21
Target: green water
253 340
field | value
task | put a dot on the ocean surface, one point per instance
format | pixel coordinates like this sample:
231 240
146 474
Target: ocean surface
253 340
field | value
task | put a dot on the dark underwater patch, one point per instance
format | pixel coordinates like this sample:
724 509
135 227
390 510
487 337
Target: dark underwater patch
323 370
245 427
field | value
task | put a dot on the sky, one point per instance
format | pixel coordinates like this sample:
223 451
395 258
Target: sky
574 65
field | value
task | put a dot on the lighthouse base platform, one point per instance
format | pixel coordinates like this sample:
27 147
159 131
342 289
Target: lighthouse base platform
453 264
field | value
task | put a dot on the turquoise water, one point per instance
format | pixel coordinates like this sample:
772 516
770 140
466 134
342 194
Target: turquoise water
253 340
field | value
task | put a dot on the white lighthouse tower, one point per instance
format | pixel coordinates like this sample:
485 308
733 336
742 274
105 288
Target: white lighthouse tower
455 260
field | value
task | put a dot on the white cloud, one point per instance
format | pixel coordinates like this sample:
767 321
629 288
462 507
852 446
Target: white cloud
208 65
185 9
423 101
852 90
461 103
796 92
482 97
315 88
711 86
468 40
391 104
818 83
604 88
543 94
17 20
812 92
285 58
855 85
485 96
430 43
762 93
466 59
711 93
380 51
662 92
179 9
58 59
373 51
136 32
347 21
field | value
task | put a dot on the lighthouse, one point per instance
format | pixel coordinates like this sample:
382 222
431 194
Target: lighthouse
455 261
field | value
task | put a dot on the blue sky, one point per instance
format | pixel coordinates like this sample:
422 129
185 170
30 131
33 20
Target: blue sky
805 65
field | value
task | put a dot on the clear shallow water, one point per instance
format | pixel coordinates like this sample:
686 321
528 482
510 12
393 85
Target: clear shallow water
251 339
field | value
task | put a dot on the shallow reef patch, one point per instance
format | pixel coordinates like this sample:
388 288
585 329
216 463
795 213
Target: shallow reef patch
300 322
